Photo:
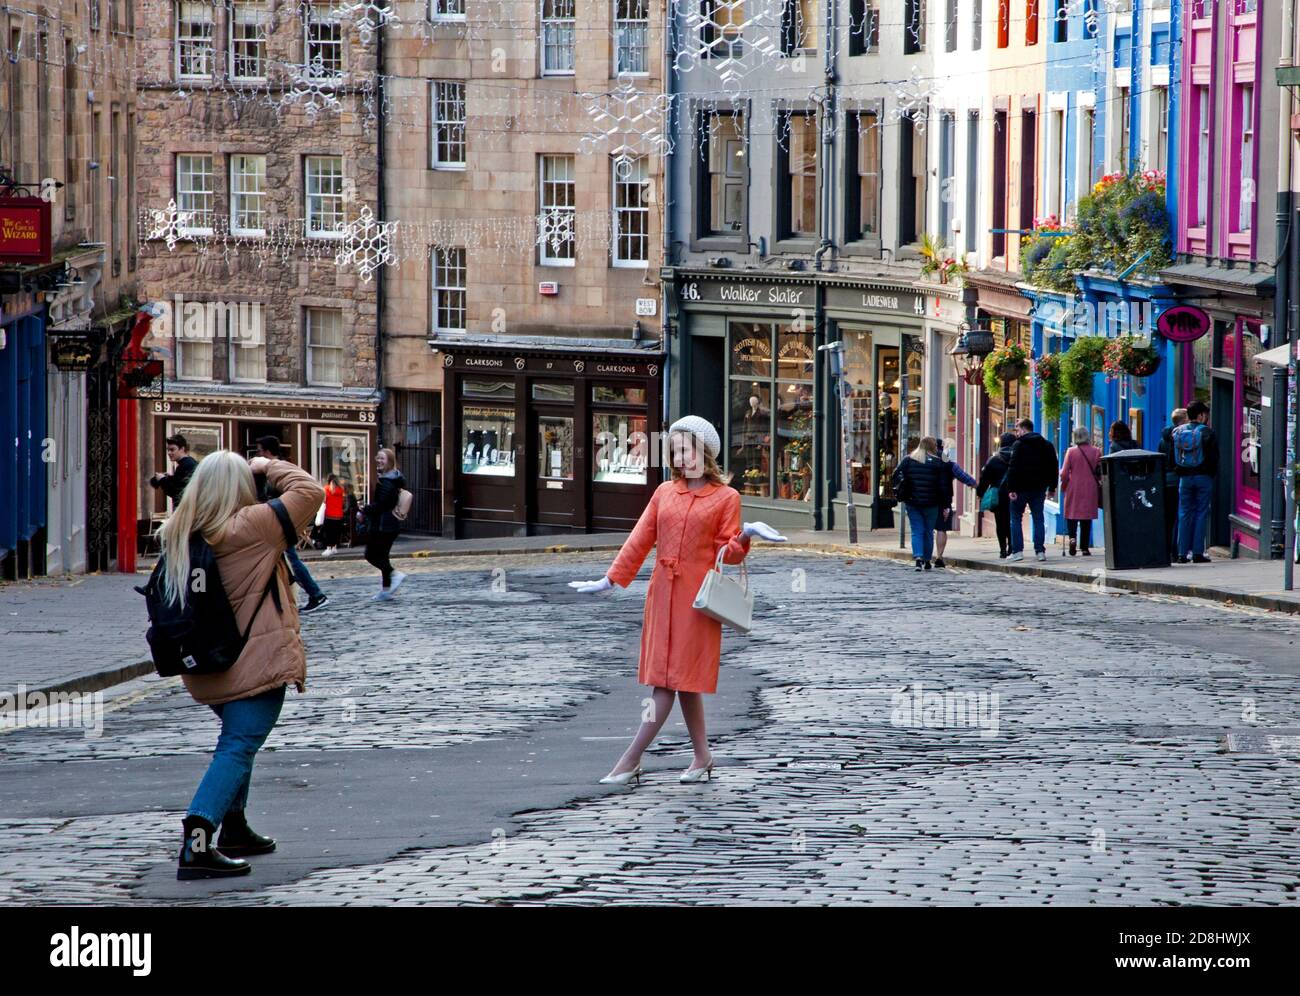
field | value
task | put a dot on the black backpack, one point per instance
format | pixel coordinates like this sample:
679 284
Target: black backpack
202 637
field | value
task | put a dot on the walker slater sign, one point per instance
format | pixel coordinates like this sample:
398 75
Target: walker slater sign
759 294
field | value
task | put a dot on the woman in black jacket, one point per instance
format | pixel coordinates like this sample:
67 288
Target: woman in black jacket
991 477
923 482
382 526
1121 437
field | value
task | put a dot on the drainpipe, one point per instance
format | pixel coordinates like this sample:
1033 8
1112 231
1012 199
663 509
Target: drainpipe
1136 48
827 192
1282 299
671 118
379 205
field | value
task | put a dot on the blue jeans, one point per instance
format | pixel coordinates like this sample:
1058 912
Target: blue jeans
302 575
1034 499
1194 494
245 725
922 521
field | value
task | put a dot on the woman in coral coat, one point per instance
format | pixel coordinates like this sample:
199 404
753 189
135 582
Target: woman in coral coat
690 519
1080 480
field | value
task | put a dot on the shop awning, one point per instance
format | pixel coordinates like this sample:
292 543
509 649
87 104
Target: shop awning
1256 283
1278 356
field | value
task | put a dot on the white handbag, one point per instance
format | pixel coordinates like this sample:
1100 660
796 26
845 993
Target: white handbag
725 599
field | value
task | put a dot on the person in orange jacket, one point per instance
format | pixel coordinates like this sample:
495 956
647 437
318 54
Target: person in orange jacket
690 519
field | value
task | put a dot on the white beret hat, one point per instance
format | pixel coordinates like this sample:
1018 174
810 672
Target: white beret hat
701 430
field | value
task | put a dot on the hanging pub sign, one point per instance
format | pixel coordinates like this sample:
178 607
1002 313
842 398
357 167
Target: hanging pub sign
71 354
24 231
1183 323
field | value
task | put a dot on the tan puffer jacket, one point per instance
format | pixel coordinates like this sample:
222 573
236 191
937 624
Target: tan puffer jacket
247 554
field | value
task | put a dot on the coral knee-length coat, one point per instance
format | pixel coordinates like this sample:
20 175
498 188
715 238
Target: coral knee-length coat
680 645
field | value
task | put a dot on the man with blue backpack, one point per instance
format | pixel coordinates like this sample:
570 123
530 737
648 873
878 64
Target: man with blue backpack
1196 462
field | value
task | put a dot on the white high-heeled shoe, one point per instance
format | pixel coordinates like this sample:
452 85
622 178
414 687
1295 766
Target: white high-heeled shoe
622 778
703 774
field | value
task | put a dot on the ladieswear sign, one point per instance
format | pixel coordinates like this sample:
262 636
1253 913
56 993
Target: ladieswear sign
1183 323
24 230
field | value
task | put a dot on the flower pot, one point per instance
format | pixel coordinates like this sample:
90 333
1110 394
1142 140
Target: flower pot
1012 371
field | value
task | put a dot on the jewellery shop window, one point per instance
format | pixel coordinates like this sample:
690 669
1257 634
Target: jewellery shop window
487 430
770 409
620 438
346 455
555 448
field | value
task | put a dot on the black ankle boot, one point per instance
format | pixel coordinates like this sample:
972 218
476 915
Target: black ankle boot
239 840
199 856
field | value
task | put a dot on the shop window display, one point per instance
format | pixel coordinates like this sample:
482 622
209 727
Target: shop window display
347 456
617 394
555 448
771 410
857 370
488 441
622 448
202 439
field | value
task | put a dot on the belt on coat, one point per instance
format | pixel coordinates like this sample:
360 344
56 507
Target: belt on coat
669 564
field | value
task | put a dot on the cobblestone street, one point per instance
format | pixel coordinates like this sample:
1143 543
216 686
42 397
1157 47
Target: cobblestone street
882 737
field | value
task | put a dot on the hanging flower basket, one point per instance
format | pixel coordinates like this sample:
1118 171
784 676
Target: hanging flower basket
1006 363
1047 372
1131 355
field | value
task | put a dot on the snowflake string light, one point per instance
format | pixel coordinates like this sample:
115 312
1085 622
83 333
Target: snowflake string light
556 230
312 87
370 16
167 224
367 244
632 118
735 37
912 99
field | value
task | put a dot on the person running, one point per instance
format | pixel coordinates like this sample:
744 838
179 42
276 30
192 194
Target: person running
1121 437
947 514
691 518
923 482
382 526
248 541
173 484
1196 459
1031 476
1081 490
991 477
332 527
268 448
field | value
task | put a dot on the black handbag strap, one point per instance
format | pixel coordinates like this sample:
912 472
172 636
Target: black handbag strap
271 589
286 524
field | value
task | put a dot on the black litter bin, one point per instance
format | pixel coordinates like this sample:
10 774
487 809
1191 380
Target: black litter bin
1133 498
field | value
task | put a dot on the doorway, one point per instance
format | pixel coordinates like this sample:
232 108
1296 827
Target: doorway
550 461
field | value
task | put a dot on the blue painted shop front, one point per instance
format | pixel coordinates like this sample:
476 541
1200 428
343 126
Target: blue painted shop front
22 431
1113 308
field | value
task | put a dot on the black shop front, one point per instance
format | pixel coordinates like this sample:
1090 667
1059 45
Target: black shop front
548 440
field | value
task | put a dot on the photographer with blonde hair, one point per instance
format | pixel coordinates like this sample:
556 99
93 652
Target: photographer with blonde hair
248 540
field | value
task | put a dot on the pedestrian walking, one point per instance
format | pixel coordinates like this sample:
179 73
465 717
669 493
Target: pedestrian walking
991 476
691 519
1081 490
332 526
382 524
947 514
268 447
248 541
1196 461
1031 476
1176 418
923 482
1121 437
173 484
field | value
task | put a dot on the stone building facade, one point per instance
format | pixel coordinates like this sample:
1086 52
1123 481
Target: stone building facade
258 133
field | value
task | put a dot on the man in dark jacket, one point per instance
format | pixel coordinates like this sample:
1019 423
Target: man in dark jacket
1032 474
1196 462
991 477
1176 418
269 447
173 484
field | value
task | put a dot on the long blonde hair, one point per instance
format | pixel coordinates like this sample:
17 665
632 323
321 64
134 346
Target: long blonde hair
222 484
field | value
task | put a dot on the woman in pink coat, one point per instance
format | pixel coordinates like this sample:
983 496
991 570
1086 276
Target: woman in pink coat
1081 490
690 519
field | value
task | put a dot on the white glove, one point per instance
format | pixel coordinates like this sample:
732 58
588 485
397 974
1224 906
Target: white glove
592 587
763 531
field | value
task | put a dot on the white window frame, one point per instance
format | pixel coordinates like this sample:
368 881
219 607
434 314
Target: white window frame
257 42
437 103
621 212
329 196
558 28
237 196
439 10
308 326
1057 196
234 348
636 31
1244 223
184 342
317 17
545 258
194 41
187 190
442 266
1086 124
